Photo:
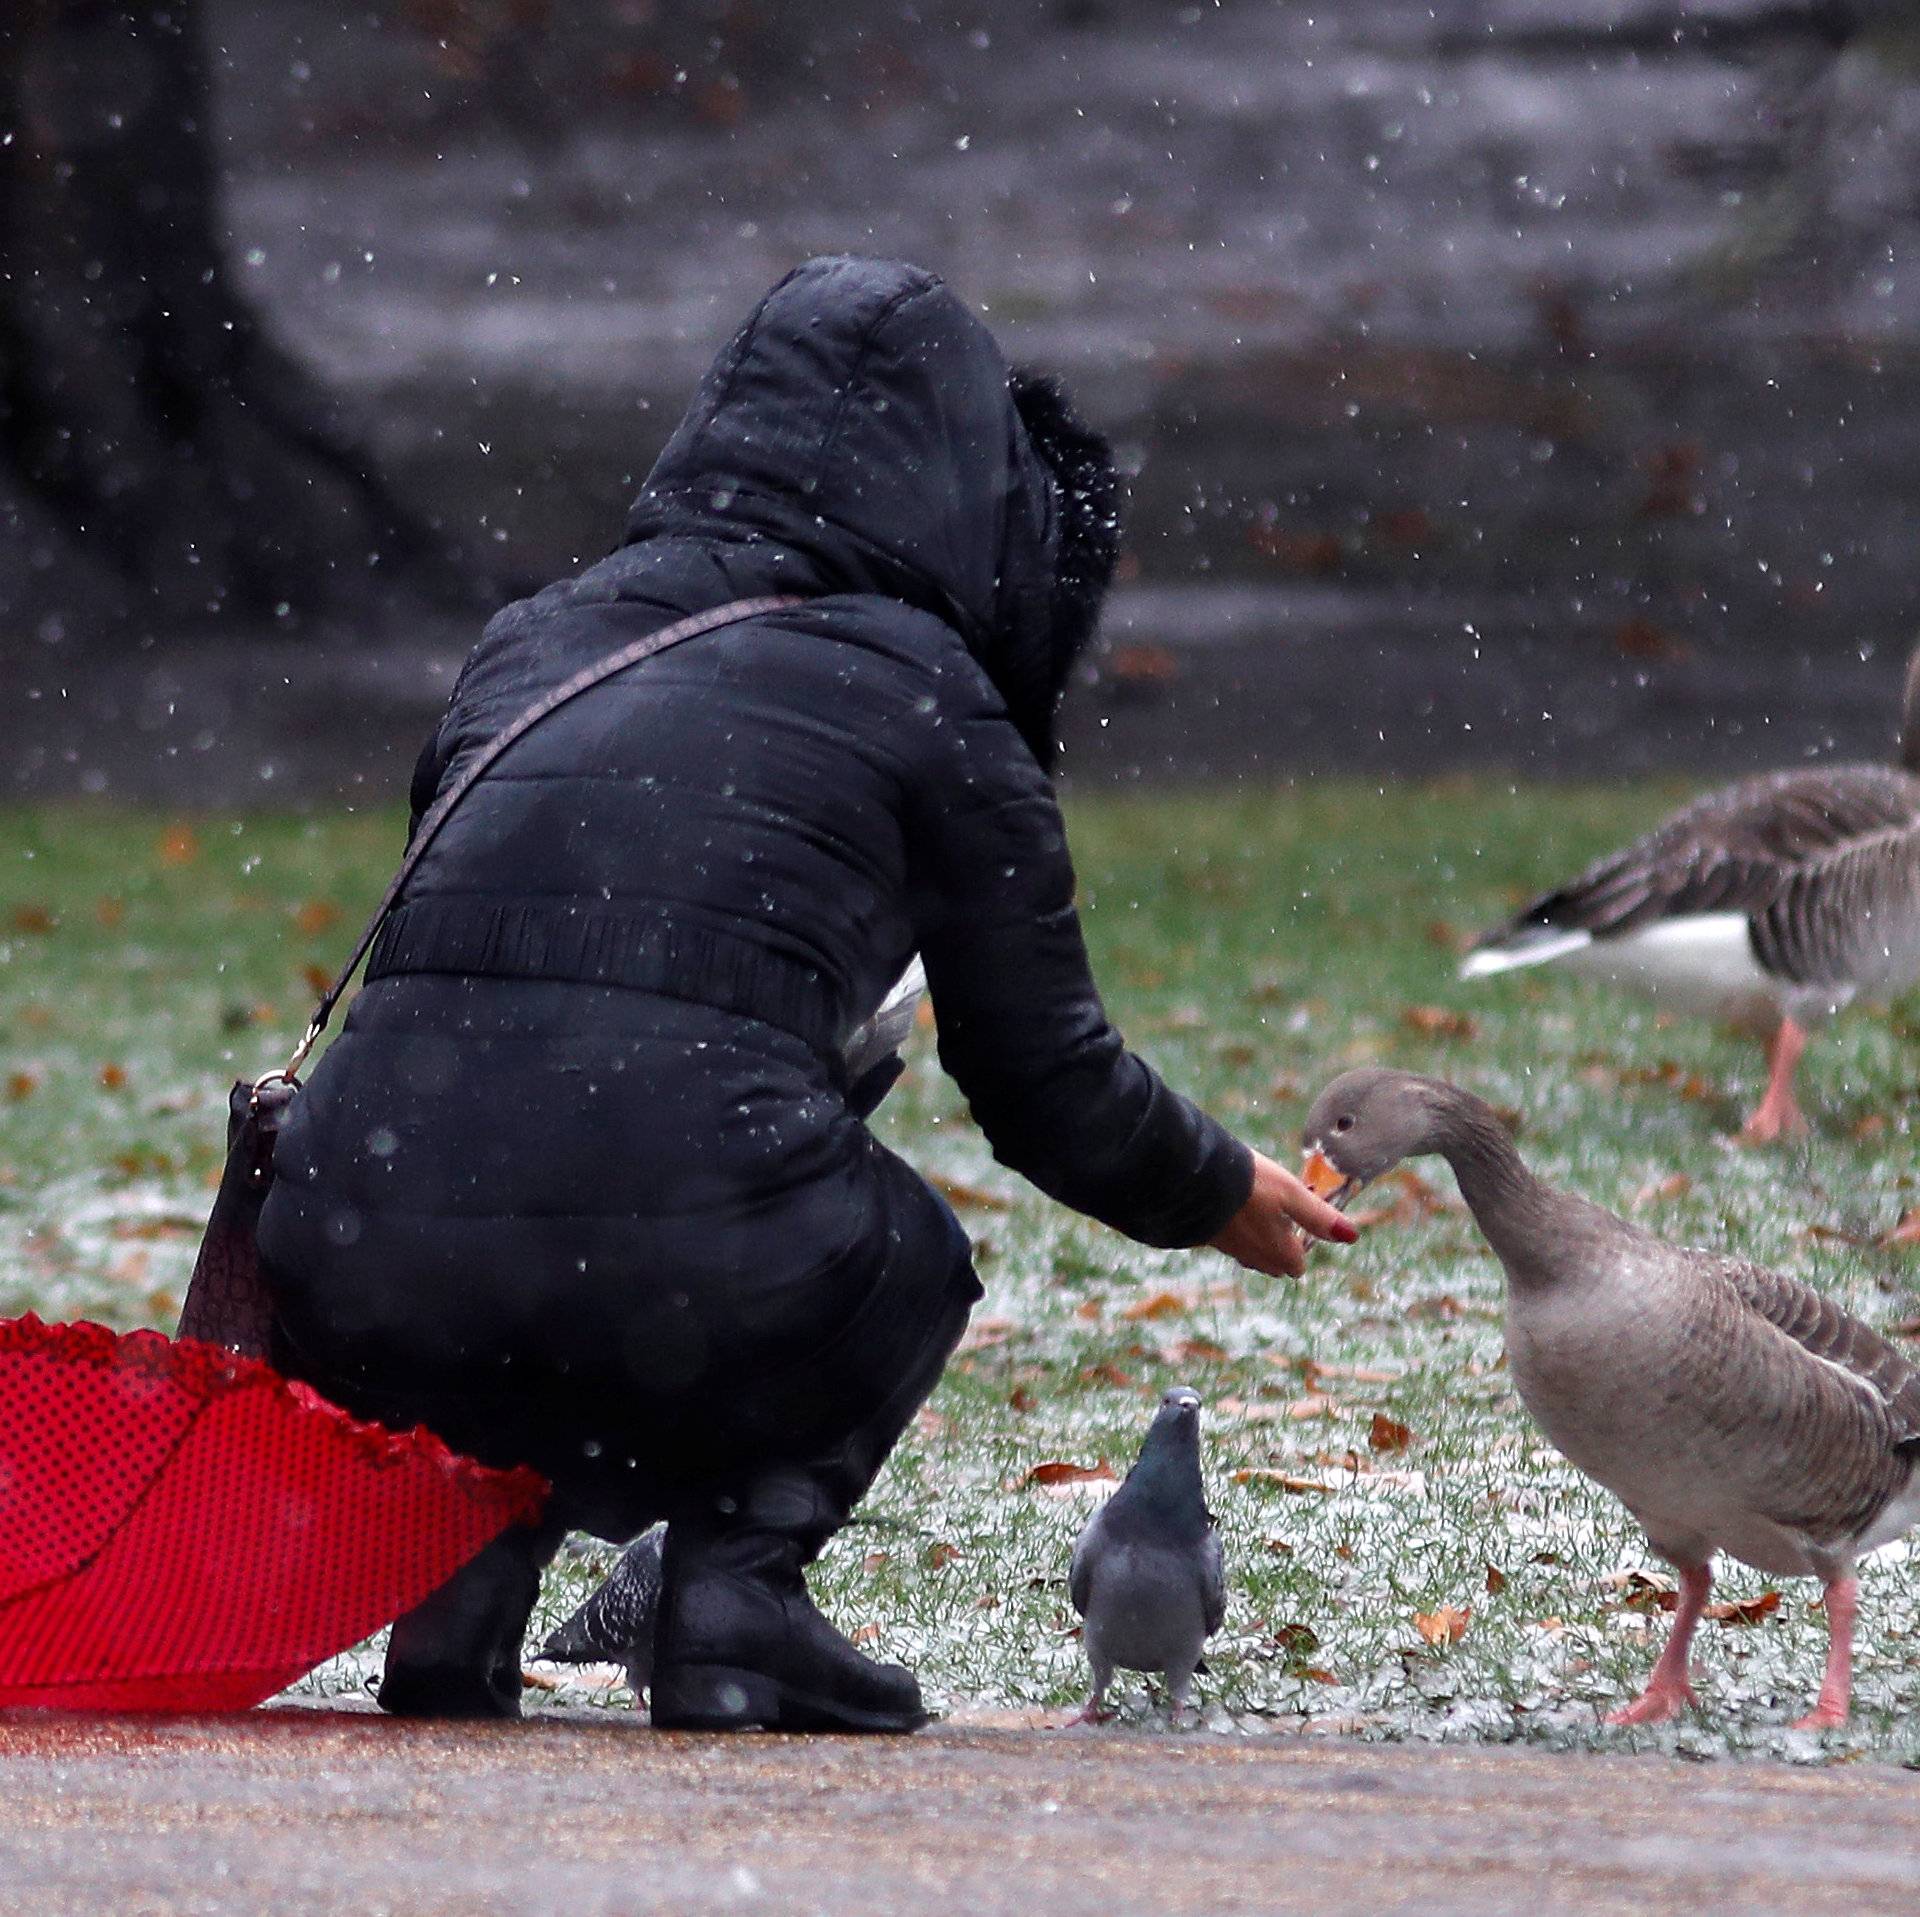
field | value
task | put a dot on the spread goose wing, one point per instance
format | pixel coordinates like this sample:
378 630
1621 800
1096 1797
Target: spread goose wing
1734 850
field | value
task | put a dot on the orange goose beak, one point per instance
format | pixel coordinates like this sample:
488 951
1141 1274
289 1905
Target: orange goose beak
1325 1179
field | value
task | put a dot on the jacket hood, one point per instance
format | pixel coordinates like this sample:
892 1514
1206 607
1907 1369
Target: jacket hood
866 428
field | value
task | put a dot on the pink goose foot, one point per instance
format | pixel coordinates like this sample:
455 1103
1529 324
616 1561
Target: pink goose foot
1658 1702
1836 1692
1778 1115
1668 1693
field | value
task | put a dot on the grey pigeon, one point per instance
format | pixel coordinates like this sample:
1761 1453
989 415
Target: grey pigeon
615 1625
1147 1574
870 1060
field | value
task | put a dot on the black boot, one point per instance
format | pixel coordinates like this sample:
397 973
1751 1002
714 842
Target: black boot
457 1652
740 1645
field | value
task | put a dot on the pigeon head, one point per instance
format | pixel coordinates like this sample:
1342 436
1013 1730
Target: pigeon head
1180 1406
1165 1480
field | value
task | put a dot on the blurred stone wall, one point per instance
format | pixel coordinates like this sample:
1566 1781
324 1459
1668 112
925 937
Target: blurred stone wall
1502 356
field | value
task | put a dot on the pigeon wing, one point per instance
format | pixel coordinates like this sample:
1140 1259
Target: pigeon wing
1213 1581
620 1614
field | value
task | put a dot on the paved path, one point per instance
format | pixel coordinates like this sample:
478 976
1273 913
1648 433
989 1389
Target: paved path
300 1810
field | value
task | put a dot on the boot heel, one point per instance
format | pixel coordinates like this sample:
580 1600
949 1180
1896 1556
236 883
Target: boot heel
714 1697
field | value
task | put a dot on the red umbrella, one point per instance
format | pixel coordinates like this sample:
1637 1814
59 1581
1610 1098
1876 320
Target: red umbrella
182 1529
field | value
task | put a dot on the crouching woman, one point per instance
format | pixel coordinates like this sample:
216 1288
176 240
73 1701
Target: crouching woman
581 1183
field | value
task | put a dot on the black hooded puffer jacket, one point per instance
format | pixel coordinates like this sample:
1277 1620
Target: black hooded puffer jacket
578 1158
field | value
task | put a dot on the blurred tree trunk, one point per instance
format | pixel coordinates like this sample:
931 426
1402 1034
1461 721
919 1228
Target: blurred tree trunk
143 403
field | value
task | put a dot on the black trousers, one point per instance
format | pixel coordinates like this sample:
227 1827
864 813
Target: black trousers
471 1629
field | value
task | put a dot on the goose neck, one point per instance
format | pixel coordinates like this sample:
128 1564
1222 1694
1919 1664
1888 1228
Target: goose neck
1511 1206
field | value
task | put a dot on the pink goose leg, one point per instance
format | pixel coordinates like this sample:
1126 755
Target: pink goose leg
1778 1113
1668 1693
1836 1693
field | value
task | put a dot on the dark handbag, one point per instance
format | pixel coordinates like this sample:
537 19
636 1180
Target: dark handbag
227 1300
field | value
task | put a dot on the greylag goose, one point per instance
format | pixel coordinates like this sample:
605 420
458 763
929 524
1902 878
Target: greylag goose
1769 904
1729 1408
1147 1574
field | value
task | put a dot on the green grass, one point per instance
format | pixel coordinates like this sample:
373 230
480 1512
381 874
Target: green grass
1251 947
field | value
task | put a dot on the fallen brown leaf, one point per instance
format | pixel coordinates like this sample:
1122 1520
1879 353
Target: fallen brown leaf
1389 1434
1063 1471
1107 1373
113 1077
1203 1351
22 1085
1745 1610
1907 1231
34 919
1158 1304
1496 1580
1644 1590
1448 1625
1316 1404
315 917
1662 1190
1283 1480
177 846
984 1333
957 1193
1438 1021
940 1554
161 1228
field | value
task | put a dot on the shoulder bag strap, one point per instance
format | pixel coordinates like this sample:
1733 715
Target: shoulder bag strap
437 814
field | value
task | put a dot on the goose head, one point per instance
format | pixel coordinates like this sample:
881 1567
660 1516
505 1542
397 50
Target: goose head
1365 1123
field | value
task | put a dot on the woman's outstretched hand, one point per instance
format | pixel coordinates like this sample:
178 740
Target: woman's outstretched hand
1265 1233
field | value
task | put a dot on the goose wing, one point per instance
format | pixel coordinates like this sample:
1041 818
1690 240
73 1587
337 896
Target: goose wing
1848 916
1819 1326
1734 850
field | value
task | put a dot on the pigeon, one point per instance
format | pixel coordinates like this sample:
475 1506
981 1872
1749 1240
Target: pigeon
1147 1573
615 1625
870 1060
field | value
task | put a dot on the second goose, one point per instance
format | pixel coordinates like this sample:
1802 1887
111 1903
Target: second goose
1769 904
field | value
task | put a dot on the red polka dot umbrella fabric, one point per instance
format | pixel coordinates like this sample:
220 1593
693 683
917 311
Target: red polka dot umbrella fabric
182 1529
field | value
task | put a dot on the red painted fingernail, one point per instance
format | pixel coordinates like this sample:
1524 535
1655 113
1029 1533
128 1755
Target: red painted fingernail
1345 1232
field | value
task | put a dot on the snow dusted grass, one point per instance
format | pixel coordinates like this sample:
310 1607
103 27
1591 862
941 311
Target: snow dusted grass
1457 1582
